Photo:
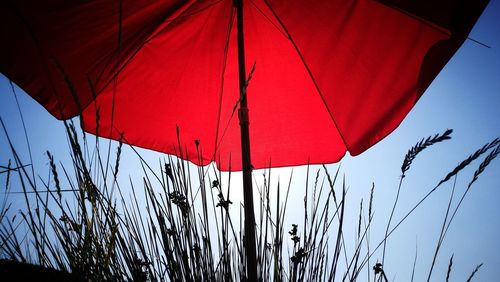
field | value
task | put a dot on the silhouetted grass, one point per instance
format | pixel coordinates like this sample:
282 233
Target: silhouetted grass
181 225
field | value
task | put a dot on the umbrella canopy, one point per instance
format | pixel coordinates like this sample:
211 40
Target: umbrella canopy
330 76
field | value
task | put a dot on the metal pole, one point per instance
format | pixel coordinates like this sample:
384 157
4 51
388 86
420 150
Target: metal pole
250 246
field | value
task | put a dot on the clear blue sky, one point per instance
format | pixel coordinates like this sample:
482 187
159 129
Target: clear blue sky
465 97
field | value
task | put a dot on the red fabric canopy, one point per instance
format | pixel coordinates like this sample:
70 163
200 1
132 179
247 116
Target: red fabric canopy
330 76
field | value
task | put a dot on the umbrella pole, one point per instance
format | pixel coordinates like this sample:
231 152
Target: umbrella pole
250 246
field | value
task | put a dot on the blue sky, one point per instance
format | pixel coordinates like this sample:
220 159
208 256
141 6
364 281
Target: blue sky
465 97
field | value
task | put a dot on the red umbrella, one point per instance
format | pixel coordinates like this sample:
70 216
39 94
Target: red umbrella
330 76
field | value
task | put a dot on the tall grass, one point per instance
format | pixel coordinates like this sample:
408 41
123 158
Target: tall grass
180 222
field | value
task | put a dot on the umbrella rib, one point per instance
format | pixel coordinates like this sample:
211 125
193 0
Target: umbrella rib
221 91
426 22
269 19
181 16
155 34
308 71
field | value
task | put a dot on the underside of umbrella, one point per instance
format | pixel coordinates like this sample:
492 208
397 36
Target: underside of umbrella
329 77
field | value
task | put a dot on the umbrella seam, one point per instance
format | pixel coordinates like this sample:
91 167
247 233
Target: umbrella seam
221 91
149 39
184 14
429 23
134 53
269 19
309 72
